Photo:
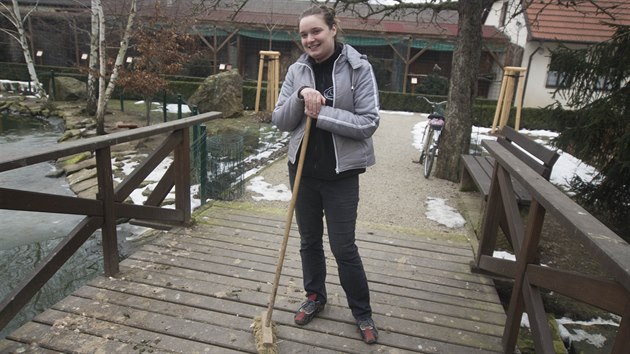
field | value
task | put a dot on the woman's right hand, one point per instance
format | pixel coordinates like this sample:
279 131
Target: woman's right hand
313 101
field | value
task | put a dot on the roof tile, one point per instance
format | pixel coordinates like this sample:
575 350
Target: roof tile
585 22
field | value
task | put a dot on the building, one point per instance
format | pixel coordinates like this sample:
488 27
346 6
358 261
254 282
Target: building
545 25
403 48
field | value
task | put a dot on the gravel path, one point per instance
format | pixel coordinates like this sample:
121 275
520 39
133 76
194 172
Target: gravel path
393 192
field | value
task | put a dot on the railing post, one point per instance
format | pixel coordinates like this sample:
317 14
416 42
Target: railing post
106 195
179 106
164 109
622 345
203 166
195 148
122 100
182 174
53 90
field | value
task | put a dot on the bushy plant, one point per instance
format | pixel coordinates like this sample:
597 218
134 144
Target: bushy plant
598 128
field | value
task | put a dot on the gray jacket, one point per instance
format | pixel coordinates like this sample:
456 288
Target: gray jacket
352 119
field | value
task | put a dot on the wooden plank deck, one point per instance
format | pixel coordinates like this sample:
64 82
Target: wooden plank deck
196 290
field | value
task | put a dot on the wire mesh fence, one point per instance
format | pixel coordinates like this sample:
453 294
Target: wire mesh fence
225 167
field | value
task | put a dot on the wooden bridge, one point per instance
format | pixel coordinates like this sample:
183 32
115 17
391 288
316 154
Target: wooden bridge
197 287
197 290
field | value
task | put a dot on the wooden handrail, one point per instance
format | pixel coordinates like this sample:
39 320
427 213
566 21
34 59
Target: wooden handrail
92 144
108 206
606 247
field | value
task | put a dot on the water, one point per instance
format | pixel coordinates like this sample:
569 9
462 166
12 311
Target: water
27 237
17 135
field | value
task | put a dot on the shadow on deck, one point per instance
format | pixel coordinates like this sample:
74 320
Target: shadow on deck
197 290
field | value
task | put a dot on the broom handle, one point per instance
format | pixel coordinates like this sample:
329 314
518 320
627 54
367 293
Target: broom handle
287 226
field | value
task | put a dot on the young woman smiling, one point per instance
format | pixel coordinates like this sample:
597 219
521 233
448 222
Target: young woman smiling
334 85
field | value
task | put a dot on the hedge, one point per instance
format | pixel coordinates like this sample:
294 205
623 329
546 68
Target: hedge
483 111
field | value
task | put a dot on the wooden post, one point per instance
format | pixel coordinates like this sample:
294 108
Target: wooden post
495 121
270 83
106 196
519 99
273 73
504 102
182 177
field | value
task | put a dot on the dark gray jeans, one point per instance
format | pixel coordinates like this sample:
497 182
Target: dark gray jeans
338 201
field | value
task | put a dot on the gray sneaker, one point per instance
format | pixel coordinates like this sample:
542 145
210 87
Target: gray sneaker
308 310
368 330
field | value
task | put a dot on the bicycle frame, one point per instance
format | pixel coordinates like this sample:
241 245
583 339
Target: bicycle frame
431 135
435 128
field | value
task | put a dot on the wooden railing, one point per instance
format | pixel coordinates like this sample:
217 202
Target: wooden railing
529 277
109 204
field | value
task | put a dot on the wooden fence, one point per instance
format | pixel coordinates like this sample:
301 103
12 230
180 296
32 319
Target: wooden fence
529 277
109 204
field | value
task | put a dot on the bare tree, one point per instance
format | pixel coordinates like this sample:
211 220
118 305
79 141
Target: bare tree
92 88
105 89
13 15
161 48
462 89
465 67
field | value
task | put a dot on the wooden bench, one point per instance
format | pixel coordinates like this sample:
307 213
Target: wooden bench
477 170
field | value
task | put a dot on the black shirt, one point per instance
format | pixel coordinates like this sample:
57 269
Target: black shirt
320 161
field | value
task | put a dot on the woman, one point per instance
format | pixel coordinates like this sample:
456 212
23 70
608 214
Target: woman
334 85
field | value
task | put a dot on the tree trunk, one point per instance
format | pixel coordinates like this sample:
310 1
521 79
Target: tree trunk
122 51
148 102
102 55
455 138
105 90
21 38
92 87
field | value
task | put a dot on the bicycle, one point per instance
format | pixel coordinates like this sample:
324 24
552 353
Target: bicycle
431 135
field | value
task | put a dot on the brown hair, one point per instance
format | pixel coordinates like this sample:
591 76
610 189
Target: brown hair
327 13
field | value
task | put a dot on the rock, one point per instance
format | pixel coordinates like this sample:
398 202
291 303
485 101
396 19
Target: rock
71 160
591 339
82 176
84 185
71 134
56 173
70 169
526 343
222 92
69 89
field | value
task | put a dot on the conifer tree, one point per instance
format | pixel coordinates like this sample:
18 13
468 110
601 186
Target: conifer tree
596 86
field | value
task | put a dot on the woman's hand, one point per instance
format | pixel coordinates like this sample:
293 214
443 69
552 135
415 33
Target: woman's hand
313 101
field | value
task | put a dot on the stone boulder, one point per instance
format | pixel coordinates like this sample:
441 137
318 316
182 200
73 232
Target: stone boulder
222 93
69 89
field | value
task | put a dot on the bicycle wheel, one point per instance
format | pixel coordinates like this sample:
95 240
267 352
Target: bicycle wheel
427 138
428 164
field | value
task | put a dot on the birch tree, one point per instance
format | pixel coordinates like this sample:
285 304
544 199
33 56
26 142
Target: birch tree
92 88
13 15
105 88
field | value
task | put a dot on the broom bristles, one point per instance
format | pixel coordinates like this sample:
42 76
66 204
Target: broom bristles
259 328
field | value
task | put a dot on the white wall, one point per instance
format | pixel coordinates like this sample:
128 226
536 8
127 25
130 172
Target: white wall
536 92
514 28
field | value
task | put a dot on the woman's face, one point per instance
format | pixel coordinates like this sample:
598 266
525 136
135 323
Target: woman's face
318 39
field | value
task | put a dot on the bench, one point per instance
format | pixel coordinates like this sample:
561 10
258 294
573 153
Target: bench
477 169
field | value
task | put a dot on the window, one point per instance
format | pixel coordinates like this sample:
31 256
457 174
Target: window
603 84
555 79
